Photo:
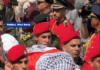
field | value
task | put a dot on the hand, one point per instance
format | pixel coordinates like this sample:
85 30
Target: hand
84 20
22 2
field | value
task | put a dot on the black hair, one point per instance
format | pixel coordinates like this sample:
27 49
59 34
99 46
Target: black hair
71 39
95 58
20 59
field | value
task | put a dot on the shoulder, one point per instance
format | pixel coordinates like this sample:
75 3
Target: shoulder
66 23
27 37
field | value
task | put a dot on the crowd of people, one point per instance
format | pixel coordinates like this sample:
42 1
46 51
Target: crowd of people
64 35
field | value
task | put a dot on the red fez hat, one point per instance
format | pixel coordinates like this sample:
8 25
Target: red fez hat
16 52
41 28
67 36
94 49
87 66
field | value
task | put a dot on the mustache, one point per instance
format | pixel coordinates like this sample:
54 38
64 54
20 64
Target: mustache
77 51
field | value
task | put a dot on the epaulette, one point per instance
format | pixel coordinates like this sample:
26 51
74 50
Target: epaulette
87 45
66 23
27 37
51 16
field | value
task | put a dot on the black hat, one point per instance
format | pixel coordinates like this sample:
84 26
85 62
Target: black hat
95 10
48 1
41 18
57 4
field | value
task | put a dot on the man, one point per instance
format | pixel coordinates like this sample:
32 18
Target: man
42 34
22 5
20 61
92 56
9 16
95 22
1 51
2 8
59 10
45 18
1 25
71 43
44 6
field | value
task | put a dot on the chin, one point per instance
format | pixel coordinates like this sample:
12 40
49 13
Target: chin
47 45
76 56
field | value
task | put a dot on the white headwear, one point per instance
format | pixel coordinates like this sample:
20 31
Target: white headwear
32 1
8 41
55 61
79 4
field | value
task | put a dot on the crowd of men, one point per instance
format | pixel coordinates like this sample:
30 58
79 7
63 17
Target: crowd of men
59 37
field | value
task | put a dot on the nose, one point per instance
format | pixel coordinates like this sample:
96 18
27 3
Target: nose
77 48
47 39
24 65
54 12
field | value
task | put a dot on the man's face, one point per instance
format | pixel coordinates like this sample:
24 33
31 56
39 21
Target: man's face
41 5
44 39
94 22
58 13
96 63
1 46
21 64
1 27
73 47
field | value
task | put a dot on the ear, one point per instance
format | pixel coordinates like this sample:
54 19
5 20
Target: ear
63 47
45 5
36 37
98 22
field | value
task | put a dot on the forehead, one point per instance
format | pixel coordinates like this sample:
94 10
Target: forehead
45 34
58 9
38 2
97 58
75 41
22 59
93 18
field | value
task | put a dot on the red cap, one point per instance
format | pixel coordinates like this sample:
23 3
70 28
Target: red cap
87 66
16 52
94 48
67 36
41 28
